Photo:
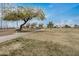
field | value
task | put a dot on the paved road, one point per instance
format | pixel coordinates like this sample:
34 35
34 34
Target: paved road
13 36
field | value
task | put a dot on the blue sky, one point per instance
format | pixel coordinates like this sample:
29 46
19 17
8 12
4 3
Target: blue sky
59 13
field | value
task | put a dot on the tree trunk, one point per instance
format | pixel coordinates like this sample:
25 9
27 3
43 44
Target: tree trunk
25 21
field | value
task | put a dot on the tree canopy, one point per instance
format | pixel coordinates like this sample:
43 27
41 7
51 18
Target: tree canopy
22 13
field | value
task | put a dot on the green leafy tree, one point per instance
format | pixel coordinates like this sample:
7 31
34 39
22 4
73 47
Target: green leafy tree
50 25
76 26
67 26
24 14
56 26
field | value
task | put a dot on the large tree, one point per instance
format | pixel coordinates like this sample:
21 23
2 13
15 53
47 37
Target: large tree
22 13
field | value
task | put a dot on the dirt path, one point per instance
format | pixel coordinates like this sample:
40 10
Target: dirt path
9 37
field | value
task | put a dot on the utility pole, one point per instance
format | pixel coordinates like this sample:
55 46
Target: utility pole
1 21
5 6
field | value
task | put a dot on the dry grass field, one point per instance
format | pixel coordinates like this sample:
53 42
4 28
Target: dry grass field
57 42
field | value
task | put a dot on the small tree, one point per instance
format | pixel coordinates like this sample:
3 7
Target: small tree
76 26
56 26
50 25
40 26
67 26
24 14
33 25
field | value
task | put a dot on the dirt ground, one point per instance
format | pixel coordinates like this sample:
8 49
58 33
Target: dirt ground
65 42
4 32
65 36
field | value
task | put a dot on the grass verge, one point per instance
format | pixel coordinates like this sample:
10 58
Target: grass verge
29 47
